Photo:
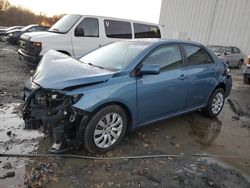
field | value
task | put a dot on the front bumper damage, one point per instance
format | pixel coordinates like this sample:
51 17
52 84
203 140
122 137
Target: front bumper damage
54 112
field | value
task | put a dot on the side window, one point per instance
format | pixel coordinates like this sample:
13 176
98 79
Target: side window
89 27
236 50
168 57
118 29
43 28
146 31
32 29
39 28
196 55
229 51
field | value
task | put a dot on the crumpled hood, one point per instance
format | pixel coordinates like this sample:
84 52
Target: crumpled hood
59 71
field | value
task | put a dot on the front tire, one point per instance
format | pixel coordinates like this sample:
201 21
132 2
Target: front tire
105 130
216 103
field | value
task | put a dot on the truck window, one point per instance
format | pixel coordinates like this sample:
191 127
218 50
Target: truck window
90 27
118 29
146 31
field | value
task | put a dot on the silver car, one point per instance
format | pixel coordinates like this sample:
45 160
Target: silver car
231 55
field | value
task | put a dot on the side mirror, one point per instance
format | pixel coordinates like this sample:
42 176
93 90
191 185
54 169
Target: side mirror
79 32
228 53
150 69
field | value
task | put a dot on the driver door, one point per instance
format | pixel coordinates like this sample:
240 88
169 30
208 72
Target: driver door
86 36
164 94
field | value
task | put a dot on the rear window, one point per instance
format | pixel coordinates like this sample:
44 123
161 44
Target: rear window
118 29
236 50
146 31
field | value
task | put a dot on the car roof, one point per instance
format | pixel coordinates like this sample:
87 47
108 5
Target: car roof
151 41
222 46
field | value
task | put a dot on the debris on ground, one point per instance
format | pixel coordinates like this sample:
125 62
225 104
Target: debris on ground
8 175
7 165
41 173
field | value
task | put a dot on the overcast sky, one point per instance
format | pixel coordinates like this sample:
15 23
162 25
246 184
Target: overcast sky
144 10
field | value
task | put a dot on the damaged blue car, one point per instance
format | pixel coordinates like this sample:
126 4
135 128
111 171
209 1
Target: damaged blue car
95 100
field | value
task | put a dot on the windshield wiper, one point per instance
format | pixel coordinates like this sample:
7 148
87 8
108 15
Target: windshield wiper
95 65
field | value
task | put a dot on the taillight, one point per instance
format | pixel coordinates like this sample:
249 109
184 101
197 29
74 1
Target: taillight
226 69
248 60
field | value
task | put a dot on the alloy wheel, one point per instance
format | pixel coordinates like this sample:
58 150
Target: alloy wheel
217 103
108 130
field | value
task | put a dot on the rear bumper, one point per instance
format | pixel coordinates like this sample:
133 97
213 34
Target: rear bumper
31 60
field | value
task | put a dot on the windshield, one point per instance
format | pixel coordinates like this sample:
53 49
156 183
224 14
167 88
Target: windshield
217 49
65 23
115 56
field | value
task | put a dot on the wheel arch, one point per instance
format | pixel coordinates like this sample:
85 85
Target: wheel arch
120 104
220 85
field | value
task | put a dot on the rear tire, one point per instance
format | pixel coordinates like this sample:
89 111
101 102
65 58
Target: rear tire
105 130
246 80
240 63
216 103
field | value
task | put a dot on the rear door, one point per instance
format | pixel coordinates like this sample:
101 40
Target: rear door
163 94
230 56
89 39
200 71
237 55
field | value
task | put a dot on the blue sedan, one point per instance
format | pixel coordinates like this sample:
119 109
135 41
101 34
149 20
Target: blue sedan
122 86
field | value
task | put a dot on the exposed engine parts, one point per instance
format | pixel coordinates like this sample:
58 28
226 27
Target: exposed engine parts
54 113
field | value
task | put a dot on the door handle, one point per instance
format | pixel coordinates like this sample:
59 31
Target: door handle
182 77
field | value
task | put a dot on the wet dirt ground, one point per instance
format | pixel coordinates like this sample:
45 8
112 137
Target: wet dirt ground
227 137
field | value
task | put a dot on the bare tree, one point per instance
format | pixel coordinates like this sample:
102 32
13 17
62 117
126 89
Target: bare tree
13 15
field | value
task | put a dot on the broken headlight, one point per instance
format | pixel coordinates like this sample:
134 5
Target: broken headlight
41 98
76 98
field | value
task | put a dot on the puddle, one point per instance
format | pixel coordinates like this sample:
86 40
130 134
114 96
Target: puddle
17 140
14 139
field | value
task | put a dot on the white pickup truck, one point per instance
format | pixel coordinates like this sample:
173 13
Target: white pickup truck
76 35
